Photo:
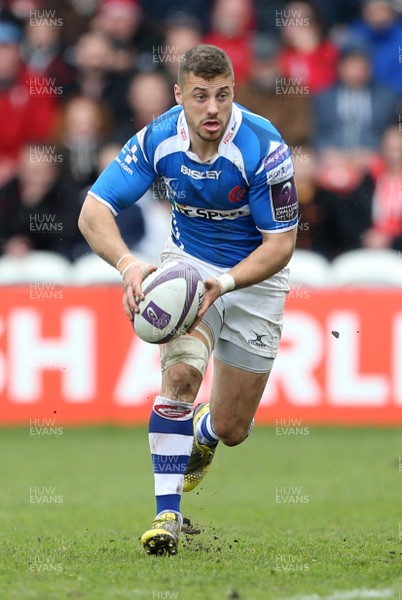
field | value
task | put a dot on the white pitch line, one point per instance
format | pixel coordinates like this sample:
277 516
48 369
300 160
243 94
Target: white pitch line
350 595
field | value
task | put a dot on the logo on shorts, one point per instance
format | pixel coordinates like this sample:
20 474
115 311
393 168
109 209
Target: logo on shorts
179 413
257 341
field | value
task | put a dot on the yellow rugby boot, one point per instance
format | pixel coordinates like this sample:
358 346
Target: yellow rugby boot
163 537
201 455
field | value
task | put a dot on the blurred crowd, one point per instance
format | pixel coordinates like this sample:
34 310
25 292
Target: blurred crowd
80 77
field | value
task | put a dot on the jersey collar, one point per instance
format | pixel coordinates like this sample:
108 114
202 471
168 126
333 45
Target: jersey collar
230 132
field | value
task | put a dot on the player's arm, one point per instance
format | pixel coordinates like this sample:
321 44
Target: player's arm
271 257
98 226
274 206
123 182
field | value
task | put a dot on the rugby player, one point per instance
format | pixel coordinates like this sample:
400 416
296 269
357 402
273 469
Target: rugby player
229 179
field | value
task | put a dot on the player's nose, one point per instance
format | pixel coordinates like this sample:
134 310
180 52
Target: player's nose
212 108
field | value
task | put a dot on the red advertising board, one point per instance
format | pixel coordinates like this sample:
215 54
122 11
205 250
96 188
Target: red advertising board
69 355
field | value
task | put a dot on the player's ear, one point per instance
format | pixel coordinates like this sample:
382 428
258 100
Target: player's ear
177 94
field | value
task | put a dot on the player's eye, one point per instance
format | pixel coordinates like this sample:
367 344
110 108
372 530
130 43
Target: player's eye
200 97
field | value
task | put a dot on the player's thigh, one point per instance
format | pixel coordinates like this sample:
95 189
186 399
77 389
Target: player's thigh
235 396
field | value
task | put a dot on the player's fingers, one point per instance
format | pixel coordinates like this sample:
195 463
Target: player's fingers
151 269
212 292
132 280
206 303
133 295
127 308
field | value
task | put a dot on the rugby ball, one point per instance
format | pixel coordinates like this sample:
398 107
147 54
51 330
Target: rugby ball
173 296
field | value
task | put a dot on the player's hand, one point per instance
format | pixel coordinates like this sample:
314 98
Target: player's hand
133 293
212 292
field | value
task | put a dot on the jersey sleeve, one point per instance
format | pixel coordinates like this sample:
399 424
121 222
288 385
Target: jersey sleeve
127 178
273 196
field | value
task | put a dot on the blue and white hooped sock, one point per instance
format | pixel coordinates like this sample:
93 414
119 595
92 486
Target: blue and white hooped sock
205 432
170 442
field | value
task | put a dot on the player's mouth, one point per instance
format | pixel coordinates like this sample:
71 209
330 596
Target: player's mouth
212 125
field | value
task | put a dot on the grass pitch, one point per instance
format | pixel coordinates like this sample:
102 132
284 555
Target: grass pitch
307 516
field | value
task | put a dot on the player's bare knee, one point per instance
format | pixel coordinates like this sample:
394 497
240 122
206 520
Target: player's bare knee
181 382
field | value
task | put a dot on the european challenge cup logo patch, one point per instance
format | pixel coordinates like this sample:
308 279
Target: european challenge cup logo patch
284 200
156 316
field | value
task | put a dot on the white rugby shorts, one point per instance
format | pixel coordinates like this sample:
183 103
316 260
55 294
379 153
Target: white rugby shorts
246 324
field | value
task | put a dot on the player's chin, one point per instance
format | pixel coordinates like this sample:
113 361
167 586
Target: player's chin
211 136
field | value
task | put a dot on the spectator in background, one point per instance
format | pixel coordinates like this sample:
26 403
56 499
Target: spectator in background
266 15
159 12
386 230
343 203
338 11
305 161
307 56
182 32
290 113
41 51
335 198
38 208
232 23
75 16
94 76
133 37
84 126
27 106
149 95
119 21
381 30
352 115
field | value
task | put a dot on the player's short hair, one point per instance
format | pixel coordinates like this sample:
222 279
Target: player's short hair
205 61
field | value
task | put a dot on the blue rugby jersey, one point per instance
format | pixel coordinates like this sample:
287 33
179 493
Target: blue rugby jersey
221 206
